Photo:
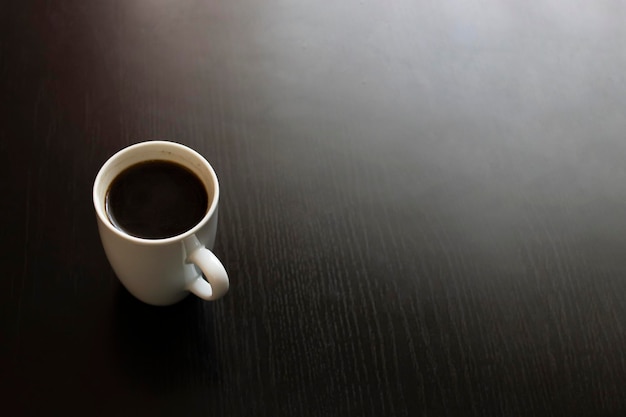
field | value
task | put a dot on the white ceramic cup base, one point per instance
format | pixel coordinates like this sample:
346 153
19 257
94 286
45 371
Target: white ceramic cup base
163 271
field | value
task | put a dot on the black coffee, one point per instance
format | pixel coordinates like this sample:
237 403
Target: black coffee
156 199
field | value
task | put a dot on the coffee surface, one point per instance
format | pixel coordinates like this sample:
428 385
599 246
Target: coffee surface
156 200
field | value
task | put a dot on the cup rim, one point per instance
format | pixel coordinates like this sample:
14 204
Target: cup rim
159 144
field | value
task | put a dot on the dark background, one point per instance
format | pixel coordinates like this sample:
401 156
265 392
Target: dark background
423 207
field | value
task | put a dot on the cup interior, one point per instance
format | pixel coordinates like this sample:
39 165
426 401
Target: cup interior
148 151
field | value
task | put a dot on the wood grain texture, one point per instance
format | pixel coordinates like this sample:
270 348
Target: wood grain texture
422 213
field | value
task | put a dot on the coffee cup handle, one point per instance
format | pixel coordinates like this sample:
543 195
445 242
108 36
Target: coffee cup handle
212 269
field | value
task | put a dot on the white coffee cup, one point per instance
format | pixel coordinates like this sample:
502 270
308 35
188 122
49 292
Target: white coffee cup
163 271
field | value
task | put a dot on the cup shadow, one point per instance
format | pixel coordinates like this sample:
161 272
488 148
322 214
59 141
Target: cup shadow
164 348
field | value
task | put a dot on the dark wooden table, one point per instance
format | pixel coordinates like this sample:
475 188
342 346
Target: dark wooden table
423 207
